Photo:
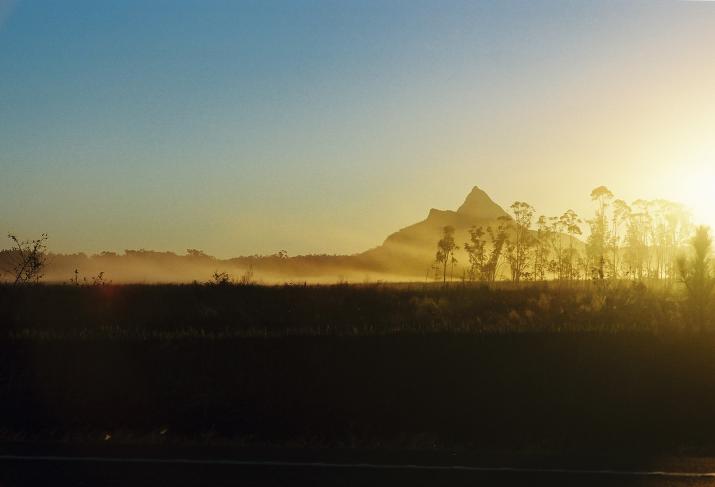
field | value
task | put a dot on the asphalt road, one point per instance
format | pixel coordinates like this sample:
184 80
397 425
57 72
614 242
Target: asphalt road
71 467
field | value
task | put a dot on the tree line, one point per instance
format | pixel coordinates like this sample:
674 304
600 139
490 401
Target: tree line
637 241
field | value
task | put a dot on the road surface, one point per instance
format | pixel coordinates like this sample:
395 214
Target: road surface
58 466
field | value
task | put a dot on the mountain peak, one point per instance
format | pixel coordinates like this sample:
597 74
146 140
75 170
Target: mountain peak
478 205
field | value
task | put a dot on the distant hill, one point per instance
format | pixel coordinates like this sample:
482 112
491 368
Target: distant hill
411 250
405 255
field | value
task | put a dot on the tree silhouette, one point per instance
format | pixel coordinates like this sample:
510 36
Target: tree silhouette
445 250
696 274
598 240
621 214
499 239
542 247
476 251
518 248
571 224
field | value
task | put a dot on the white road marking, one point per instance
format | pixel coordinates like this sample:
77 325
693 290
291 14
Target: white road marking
370 466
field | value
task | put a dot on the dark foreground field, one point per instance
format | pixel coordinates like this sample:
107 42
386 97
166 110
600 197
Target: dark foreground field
542 392
529 372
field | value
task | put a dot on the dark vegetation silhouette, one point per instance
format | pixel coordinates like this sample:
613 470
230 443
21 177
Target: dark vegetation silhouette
225 279
27 259
220 279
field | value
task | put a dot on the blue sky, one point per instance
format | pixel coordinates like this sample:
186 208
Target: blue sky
248 127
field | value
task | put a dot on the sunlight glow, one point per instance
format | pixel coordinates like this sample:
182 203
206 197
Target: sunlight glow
694 181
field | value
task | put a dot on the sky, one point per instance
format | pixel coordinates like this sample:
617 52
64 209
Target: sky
244 127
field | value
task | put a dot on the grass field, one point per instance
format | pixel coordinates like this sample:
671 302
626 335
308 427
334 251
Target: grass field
542 368
185 311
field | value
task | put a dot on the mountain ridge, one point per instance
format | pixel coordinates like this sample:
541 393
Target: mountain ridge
413 247
477 207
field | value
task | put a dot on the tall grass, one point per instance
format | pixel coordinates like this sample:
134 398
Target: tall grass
200 311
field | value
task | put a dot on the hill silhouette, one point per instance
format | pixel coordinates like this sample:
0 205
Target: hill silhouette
411 250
